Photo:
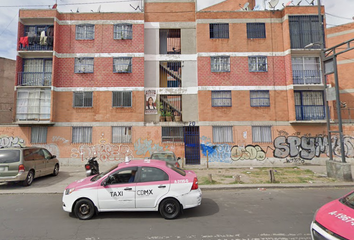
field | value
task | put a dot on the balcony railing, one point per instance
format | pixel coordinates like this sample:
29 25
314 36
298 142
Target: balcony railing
34 79
304 77
307 113
36 47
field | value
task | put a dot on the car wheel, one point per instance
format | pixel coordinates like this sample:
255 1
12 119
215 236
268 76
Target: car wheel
84 209
56 170
170 208
29 179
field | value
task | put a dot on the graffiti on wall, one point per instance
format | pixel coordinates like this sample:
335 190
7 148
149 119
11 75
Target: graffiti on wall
51 147
59 139
142 147
250 152
6 141
215 152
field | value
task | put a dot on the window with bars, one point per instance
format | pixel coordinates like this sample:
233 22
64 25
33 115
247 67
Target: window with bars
306 70
305 29
261 134
256 30
122 65
220 64
309 105
172 134
85 32
123 31
82 135
221 99
219 30
257 64
121 134
122 99
222 134
84 65
39 134
83 99
259 98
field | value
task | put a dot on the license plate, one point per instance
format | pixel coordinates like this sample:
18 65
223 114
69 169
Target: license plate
3 169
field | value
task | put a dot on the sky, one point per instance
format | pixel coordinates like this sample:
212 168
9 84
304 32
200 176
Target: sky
337 12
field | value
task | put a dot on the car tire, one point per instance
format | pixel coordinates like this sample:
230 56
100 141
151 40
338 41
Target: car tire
29 179
56 170
84 209
170 208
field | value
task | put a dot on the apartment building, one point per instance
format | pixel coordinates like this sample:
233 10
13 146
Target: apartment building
227 85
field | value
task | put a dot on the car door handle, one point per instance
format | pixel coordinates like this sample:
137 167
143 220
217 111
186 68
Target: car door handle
162 186
128 188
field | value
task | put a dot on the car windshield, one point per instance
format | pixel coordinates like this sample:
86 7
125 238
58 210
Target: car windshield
9 156
176 169
98 176
348 200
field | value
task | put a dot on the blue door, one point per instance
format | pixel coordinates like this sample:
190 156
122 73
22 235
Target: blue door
192 145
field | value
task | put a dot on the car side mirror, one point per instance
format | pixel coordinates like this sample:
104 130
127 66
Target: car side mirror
104 182
178 158
53 156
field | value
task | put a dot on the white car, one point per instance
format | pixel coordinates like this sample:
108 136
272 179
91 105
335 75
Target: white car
137 185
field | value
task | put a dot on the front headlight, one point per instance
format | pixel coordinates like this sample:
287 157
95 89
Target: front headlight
69 190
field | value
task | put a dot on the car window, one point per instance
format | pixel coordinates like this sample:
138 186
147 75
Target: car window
349 200
46 153
176 169
151 174
98 176
9 156
29 154
126 175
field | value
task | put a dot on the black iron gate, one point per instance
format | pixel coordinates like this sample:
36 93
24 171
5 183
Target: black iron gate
192 145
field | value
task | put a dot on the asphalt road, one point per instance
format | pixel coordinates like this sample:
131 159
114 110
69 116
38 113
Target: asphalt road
262 214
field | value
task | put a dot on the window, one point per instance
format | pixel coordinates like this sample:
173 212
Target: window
39 134
257 64
33 104
259 98
221 98
306 70
121 134
36 72
151 174
172 134
261 134
82 99
170 41
309 105
123 31
122 65
219 30
256 30
222 135
126 175
220 64
82 135
305 30
83 65
85 32
122 99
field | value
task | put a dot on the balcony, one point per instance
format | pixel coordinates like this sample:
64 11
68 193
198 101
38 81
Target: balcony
306 77
37 38
170 74
171 107
310 113
34 79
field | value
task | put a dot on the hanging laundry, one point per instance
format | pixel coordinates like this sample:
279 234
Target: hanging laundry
43 40
23 42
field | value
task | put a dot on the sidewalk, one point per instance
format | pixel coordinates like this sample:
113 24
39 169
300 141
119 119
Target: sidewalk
69 174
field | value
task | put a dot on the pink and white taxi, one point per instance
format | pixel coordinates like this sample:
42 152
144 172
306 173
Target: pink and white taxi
335 220
136 185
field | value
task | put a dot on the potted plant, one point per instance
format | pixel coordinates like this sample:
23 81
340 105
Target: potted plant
177 116
168 116
162 113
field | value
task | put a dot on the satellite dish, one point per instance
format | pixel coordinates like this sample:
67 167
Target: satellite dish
99 8
245 7
273 3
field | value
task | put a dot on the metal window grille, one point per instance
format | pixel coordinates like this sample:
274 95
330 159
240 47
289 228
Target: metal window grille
304 30
85 32
33 104
256 30
306 70
121 134
83 99
309 105
39 134
170 74
221 99
219 30
258 64
84 65
259 98
220 64
36 72
82 135
122 65
222 134
170 41
172 134
261 134
171 105
122 99
123 31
